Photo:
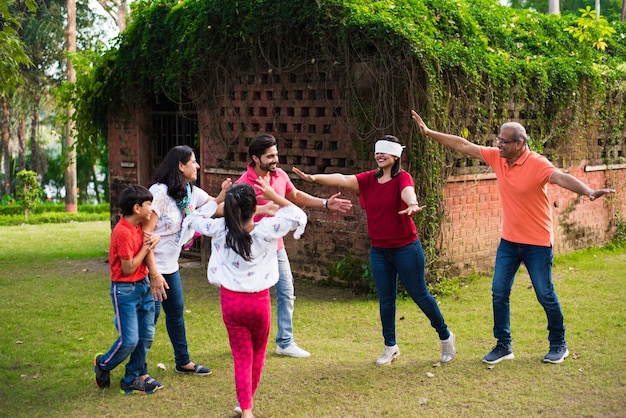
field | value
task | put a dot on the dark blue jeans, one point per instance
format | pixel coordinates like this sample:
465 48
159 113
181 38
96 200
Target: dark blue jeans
407 263
174 307
538 262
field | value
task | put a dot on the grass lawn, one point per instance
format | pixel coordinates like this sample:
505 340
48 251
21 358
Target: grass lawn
57 314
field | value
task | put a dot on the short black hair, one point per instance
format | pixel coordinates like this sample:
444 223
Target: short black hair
131 196
260 144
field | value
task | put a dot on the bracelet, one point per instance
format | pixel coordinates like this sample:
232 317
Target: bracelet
413 204
326 203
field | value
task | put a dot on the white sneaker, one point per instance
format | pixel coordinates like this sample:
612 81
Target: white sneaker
388 355
448 350
238 409
292 350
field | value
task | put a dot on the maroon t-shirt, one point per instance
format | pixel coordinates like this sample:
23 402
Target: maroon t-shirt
382 202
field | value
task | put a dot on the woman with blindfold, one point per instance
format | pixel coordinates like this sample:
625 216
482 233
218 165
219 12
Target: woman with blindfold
387 194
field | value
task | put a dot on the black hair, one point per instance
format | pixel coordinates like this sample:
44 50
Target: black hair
169 174
396 168
131 196
260 144
239 205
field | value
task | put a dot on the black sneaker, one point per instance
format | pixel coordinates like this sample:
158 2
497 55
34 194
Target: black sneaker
102 377
556 354
144 387
197 369
500 352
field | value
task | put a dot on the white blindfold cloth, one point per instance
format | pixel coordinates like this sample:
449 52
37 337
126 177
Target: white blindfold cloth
388 147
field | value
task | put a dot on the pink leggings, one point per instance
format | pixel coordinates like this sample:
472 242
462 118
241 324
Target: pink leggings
247 317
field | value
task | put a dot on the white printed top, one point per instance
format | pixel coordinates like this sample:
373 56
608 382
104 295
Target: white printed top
169 225
226 267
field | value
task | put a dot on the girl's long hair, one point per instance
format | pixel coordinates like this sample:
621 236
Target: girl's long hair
396 168
239 205
169 174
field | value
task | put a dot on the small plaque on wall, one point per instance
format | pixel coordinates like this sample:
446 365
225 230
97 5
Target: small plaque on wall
127 164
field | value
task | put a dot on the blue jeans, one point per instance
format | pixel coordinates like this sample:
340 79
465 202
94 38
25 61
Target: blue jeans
134 319
174 307
407 263
538 262
285 298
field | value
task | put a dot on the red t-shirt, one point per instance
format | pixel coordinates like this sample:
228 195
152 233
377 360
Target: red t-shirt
526 212
382 202
126 242
280 182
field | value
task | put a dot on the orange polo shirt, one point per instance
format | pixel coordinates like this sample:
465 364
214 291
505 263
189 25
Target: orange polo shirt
526 212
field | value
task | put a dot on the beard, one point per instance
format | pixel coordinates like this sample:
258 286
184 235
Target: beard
268 167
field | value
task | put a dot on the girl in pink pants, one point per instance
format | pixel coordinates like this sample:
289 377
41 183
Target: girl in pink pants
244 264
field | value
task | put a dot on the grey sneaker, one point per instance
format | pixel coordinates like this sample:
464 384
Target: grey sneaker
448 350
389 354
145 387
500 352
556 354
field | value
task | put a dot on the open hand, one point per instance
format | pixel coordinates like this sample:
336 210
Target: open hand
411 210
420 123
340 205
599 193
304 176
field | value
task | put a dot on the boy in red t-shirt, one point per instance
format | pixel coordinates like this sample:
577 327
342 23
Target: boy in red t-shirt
133 302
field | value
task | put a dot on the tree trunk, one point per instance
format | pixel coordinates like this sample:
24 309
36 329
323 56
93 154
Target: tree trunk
4 152
71 204
21 144
122 15
554 8
597 8
623 16
38 161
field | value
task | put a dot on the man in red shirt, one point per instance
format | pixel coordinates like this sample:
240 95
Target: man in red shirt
263 152
527 234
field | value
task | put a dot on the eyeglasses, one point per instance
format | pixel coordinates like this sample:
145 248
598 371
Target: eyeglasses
504 141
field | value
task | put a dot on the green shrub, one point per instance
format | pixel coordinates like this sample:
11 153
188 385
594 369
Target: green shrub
14 209
53 213
353 274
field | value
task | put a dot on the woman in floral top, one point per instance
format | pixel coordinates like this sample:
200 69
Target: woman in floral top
175 196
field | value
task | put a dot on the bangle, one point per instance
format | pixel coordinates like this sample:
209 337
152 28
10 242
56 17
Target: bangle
413 204
325 201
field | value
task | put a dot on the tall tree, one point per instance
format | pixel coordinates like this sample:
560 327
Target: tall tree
12 57
71 204
6 157
118 10
554 7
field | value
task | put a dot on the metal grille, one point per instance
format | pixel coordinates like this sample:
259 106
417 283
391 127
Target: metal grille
168 130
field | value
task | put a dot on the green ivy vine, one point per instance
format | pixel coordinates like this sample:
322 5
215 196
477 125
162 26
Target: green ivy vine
458 63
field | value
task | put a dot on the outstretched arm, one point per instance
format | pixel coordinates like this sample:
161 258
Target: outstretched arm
336 179
571 183
333 202
409 197
455 142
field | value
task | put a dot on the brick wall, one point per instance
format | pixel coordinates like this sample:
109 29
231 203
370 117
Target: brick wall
305 114
471 231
